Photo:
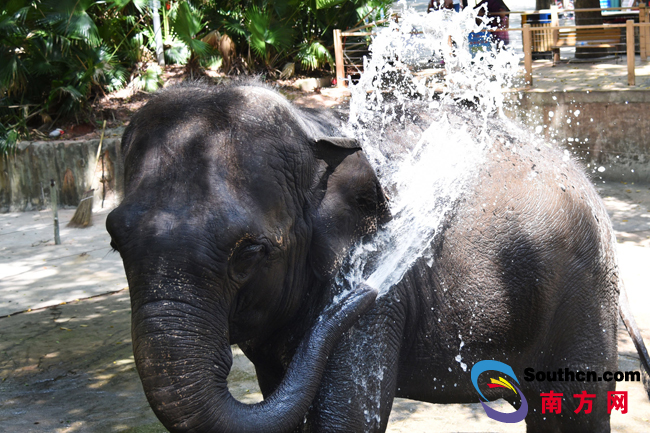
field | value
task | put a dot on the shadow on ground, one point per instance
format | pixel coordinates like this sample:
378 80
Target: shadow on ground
69 368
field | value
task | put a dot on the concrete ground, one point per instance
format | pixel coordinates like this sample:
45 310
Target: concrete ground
571 75
69 367
35 273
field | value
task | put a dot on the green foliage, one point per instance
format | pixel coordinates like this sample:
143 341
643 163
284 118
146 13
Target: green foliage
177 52
150 80
265 32
8 139
313 56
280 31
188 24
324 4
57 55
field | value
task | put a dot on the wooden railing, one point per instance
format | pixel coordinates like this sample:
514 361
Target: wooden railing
629 40
342 53
644 37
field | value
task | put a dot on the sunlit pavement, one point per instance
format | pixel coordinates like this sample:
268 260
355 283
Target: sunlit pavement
566 76
69 368
598 75
35 273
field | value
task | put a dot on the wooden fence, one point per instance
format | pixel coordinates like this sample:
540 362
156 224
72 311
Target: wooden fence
349 54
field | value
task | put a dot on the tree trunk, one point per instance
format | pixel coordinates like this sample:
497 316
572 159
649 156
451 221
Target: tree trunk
160 52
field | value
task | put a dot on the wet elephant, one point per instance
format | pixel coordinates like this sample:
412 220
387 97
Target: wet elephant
239 210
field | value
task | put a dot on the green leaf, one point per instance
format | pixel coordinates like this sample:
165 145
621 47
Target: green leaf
150 80
236 28
314 55
200 48
8 139
187 24
265 31
141 5
326 4
177 52
120 3
9 25
70 19
82 27
13 7
66 91
13 77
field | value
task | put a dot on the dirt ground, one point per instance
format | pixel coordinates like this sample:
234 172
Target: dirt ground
69 368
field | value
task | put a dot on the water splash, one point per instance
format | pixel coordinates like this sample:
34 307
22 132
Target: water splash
411 112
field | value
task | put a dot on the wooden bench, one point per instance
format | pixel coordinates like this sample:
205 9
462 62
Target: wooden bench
586 38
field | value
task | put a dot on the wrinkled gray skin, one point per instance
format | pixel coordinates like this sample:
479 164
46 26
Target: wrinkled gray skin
239 210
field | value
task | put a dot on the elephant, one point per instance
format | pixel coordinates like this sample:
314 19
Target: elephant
240 209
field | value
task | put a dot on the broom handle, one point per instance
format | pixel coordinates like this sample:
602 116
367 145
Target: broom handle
99 150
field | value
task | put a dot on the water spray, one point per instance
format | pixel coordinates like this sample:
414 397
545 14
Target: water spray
416 134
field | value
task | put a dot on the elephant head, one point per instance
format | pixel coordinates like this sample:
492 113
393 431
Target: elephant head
238 208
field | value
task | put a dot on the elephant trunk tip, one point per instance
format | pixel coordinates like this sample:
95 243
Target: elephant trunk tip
367 288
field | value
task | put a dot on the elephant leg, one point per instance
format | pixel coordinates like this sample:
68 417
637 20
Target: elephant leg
358 388
587 345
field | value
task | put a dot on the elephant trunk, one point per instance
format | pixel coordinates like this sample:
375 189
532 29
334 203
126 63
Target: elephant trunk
184 360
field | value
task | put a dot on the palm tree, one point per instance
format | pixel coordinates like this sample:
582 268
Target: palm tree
188 23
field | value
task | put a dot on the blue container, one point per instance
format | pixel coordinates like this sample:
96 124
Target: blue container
479 42
604 4
536 18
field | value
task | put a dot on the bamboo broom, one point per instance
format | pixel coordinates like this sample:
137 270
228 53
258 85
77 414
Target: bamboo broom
82 217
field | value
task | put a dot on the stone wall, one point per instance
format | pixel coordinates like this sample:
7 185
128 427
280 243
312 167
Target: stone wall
608 130
25 177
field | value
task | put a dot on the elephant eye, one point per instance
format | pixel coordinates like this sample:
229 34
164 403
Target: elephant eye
246 258
250 251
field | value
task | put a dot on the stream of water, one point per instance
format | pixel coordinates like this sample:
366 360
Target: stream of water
426 111
411 127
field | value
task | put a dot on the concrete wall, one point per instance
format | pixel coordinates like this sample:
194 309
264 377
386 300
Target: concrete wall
604 129
609 129
25 177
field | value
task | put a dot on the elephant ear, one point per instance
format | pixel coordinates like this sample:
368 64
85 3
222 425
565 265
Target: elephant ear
351 204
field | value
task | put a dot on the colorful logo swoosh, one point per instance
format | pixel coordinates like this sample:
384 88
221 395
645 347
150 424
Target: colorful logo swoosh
489 365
